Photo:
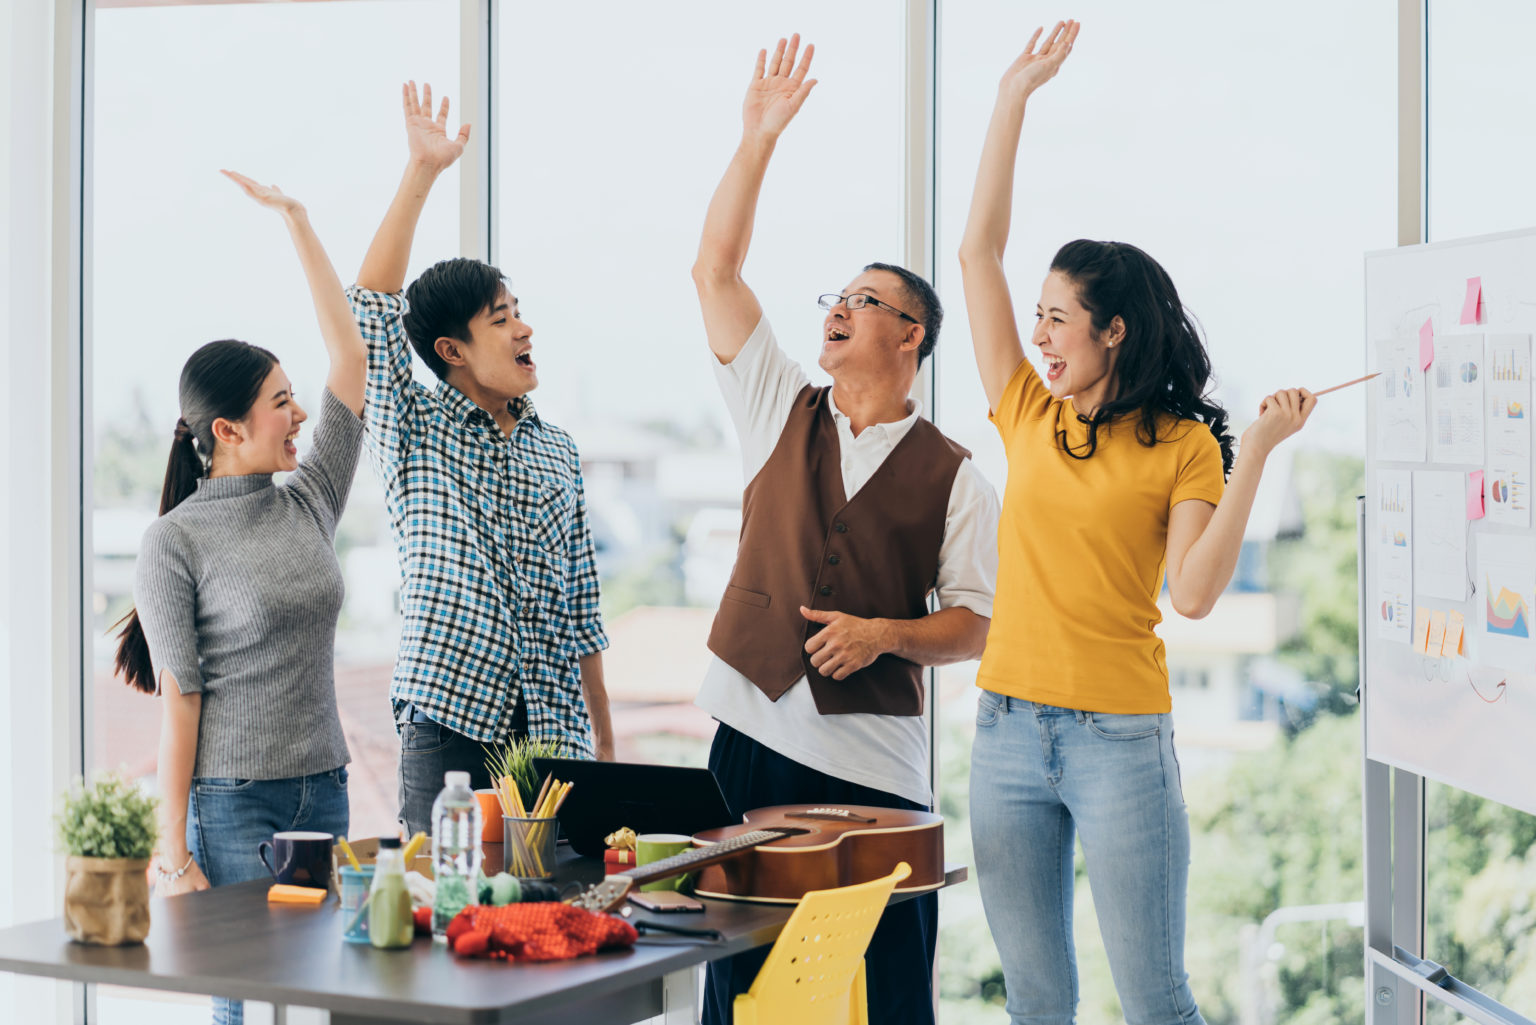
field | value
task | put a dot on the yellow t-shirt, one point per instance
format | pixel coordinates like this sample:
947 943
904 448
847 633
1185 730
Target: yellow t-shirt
1081 550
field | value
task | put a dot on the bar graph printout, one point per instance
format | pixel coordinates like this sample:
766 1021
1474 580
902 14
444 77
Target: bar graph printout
1456 397
1506 584
1440 533
1400 418
1393 610
1508 478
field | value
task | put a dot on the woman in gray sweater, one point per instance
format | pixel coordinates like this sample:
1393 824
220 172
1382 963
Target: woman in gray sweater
237 591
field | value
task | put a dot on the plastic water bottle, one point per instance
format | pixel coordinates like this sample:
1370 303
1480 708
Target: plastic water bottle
455 850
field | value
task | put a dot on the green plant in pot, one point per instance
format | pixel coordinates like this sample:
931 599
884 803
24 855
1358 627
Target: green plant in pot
108 831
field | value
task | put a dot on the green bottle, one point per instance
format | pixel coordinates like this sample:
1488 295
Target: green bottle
390 925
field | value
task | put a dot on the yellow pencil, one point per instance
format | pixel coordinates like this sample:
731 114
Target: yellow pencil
414 846
537 807
346 849
548 795
513 797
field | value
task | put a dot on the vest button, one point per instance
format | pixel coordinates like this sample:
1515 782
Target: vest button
840 527
835 559
826 589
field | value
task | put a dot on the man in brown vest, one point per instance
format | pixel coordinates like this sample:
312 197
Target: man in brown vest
856 509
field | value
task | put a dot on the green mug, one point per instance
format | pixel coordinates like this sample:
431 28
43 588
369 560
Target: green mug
651 847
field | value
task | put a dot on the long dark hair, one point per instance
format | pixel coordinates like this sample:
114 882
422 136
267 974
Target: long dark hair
1163 366
221 380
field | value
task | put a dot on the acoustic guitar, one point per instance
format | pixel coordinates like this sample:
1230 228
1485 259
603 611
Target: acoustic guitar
778 854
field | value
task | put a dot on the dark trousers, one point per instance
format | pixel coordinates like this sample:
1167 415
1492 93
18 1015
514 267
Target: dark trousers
898 966
430 749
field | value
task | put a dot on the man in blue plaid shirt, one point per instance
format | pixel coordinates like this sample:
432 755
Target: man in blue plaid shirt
502 637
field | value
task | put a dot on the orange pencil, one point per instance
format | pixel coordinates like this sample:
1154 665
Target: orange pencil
1346 384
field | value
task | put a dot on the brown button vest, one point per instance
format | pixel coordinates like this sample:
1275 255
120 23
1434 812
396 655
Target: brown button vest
804 543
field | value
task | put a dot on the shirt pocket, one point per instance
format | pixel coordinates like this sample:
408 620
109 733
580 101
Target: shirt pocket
554 517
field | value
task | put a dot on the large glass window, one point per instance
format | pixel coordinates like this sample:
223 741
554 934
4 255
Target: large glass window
1259 200
601 196
306 96
1480 97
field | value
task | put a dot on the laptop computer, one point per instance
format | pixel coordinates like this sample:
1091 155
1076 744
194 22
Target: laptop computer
646 798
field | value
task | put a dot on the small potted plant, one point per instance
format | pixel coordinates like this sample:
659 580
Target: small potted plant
108 831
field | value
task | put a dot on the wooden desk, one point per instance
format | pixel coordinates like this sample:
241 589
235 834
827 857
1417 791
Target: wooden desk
230 942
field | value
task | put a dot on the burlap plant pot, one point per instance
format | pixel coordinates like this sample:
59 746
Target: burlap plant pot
106 900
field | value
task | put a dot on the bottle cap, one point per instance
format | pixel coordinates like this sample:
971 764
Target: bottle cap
456 779
389 843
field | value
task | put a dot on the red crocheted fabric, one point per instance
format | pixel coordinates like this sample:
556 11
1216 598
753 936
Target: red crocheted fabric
535 932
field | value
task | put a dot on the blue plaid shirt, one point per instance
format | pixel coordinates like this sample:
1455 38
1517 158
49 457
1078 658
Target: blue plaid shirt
500 592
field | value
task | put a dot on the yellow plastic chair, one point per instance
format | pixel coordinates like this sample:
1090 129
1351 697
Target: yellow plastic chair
814 974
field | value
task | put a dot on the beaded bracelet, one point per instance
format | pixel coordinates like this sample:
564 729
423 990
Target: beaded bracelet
171 877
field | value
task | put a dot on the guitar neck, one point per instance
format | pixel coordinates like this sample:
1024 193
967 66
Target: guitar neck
699 857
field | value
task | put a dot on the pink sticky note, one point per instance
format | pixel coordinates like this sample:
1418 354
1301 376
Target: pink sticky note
1427 344
1475 495
1472 305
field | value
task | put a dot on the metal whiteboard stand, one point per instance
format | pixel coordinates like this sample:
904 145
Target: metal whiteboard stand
1399 980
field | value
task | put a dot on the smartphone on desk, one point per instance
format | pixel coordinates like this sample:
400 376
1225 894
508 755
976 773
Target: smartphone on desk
665 902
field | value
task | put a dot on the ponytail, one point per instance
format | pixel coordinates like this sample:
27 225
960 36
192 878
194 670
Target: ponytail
182 471
220 381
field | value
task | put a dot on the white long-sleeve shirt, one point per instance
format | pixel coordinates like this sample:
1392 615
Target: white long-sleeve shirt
885 752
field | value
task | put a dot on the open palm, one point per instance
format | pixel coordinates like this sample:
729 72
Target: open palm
428 136
1034 68
778 88
269 196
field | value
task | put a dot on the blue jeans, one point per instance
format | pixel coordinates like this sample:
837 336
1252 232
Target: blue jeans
227 818
1039 774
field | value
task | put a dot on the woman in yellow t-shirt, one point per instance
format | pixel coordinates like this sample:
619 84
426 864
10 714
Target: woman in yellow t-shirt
1118 470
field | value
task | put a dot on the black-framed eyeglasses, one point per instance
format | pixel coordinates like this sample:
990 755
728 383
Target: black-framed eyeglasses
858 300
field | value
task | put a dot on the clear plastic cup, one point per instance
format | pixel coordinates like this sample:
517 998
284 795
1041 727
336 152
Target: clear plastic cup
354 900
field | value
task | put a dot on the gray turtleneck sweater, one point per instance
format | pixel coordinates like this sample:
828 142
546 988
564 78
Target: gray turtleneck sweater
238 589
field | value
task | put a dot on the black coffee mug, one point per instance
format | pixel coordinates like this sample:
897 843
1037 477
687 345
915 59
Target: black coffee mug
301 859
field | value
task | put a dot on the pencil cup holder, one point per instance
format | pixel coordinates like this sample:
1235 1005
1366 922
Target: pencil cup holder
528 845
355 884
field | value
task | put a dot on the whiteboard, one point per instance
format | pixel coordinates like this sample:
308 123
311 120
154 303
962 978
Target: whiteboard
1466 719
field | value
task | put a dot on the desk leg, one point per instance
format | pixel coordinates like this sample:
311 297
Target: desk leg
282 1014
680 1002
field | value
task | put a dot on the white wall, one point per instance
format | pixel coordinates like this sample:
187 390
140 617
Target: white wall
34 683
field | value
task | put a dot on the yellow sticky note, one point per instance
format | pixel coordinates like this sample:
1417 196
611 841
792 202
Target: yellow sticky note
1436 638
1455 623
1421 631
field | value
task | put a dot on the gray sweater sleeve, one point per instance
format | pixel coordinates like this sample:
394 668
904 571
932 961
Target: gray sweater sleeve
324 476
165 594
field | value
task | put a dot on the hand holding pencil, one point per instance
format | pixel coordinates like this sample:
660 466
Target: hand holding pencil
1285 412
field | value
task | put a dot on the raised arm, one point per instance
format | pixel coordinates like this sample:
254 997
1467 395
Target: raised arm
343 341
994 329
1204 542
432 153
731 311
